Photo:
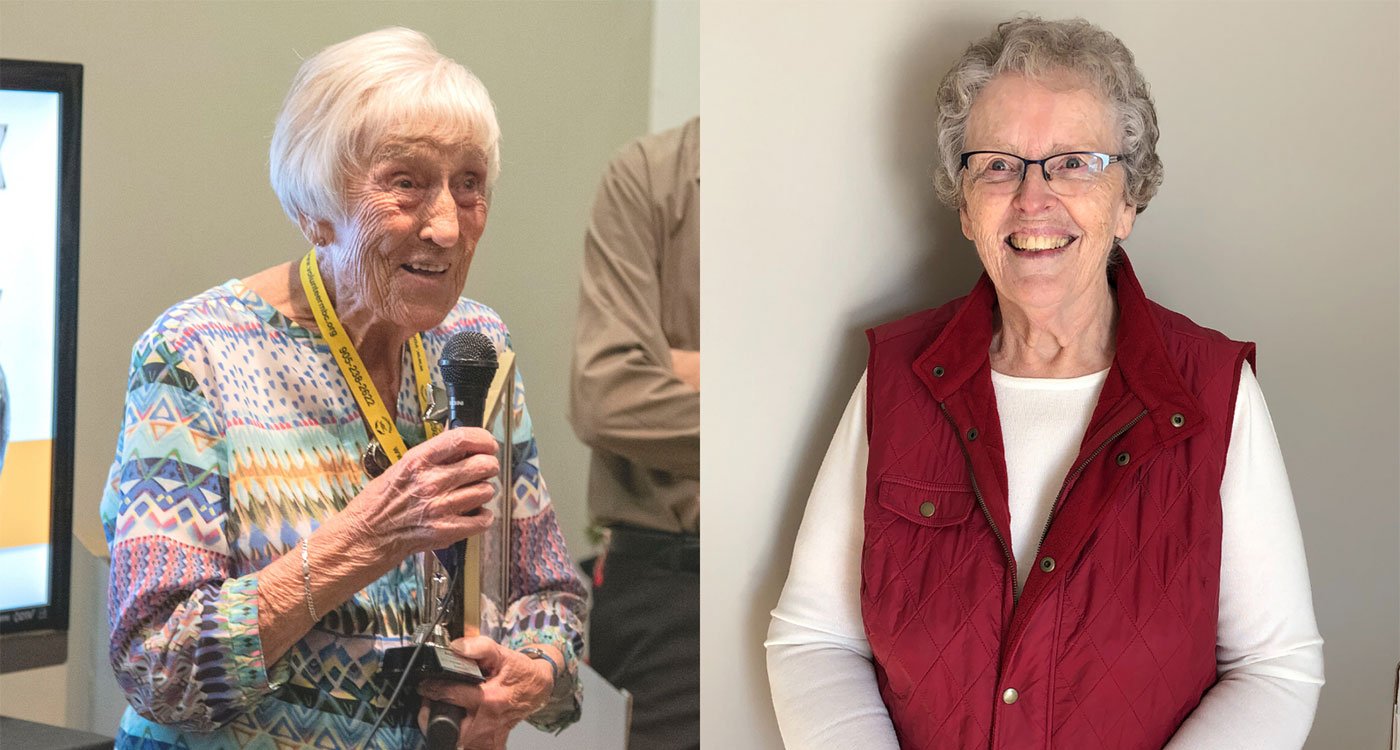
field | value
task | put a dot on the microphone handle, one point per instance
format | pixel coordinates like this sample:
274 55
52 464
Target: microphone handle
466 401
464 409
444 725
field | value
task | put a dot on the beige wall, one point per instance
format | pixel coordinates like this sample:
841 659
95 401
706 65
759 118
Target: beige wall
179 100
1277 223
675 63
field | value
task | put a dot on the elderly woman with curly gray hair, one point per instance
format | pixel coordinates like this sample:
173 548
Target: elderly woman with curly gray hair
1055 513
277 473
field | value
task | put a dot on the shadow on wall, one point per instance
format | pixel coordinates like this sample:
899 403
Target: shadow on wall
946 267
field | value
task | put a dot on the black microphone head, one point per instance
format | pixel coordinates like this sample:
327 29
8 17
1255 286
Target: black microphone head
472 347
468 365
468 357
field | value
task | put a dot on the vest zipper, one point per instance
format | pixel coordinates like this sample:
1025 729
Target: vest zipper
977 493
1005 550
1074 474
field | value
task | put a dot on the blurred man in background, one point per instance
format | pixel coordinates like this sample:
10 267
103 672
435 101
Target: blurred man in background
636 401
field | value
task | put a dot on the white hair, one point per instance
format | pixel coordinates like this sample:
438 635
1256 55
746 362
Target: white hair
1034 47
349 97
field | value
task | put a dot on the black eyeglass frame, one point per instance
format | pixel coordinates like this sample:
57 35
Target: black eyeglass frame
1107 159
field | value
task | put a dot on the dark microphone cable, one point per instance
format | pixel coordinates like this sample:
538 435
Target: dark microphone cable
417 649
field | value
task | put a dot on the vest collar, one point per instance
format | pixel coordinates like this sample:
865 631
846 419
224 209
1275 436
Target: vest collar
961 349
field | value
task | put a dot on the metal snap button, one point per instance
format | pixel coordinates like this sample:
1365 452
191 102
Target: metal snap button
926 509
1010 696
1178 420
972 434
1123 458
938 371
1047 564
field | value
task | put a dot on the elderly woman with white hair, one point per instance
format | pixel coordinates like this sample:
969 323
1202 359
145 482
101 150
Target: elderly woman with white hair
259 569
1054 514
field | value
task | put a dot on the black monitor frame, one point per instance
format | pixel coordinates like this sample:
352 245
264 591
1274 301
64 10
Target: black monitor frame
26 629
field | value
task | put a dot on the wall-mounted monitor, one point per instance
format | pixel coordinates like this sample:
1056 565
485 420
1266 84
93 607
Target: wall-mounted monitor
40 115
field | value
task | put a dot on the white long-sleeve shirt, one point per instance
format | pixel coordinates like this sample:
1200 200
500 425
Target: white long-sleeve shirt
1268 650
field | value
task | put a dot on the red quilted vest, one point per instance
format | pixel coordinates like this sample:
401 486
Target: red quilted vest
1112 642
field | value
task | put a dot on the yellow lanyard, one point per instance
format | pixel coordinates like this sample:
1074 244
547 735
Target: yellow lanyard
354 369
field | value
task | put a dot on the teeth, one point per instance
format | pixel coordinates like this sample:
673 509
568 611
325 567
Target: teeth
429 269
1038 242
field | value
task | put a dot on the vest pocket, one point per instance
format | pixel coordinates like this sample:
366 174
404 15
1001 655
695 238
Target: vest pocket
932 504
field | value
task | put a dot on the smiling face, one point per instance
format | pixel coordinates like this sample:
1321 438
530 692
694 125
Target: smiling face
1044 252
401 253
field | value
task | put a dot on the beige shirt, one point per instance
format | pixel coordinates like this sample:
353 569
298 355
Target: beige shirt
639 297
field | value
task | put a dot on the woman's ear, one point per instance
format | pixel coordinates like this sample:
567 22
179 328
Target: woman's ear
318 232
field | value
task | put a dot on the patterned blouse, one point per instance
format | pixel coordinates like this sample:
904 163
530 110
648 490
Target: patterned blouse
240 437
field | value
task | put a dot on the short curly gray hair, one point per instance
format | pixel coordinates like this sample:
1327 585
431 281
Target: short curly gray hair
348 97
1034 47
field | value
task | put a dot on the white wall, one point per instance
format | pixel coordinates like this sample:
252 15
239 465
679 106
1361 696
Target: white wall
1277 223
179 101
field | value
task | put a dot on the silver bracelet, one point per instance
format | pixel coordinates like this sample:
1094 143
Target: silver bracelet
306 580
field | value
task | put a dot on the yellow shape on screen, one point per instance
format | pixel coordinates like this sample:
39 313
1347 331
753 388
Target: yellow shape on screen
25 487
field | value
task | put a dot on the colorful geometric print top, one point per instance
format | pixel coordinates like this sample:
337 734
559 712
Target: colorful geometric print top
240 437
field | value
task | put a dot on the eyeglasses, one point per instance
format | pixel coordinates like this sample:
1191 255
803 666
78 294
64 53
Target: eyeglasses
1070 173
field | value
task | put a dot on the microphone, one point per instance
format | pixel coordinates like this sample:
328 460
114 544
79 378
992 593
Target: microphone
468 365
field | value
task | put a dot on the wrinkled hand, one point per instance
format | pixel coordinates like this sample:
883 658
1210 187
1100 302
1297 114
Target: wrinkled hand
516 686
428 499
